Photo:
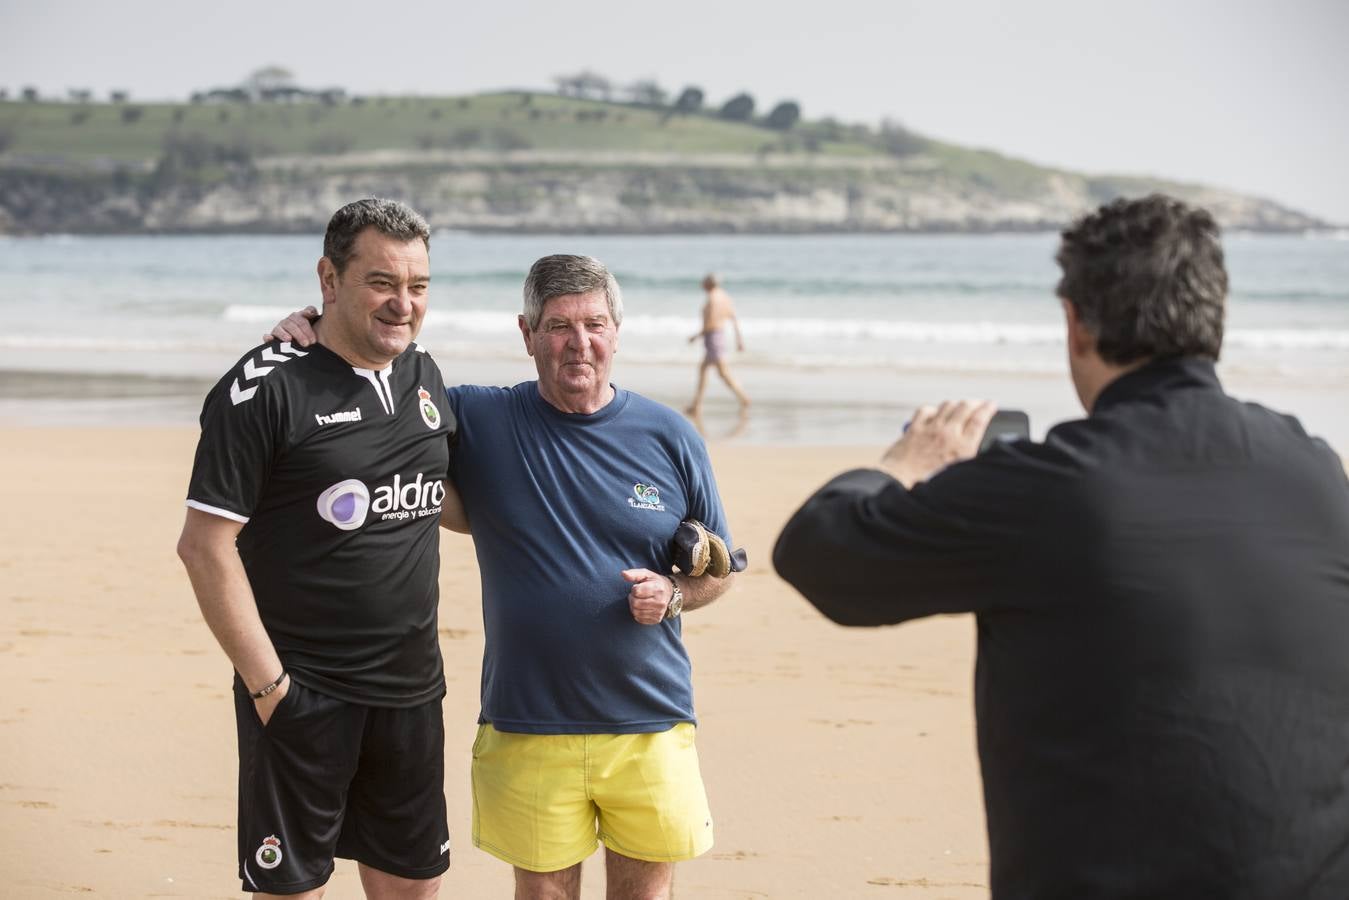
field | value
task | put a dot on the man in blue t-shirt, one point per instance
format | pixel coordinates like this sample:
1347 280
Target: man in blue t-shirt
573 488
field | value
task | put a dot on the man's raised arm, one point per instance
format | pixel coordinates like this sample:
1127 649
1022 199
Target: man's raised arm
867 550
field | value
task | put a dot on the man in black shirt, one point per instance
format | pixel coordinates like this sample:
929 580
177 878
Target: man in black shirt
1161 588
312 544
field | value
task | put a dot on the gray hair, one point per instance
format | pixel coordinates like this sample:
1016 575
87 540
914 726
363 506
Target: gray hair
562 274
389 217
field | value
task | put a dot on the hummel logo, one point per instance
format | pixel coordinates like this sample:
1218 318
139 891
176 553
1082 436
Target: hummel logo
351 415
254 371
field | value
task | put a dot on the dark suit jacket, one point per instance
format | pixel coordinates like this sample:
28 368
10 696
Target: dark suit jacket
1162 594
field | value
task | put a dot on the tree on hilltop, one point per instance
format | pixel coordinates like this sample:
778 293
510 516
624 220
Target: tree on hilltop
784 116
646 92
690 100
585 85
739 108
269 78
897 140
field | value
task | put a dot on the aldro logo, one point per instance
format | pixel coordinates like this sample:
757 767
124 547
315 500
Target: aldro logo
349 503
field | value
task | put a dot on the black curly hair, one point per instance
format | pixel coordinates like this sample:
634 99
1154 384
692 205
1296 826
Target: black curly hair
1147 279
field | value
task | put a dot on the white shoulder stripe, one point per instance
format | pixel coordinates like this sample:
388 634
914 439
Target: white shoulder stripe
253 371
239 395
217 511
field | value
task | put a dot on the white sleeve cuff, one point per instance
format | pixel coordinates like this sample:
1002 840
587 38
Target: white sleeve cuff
217 511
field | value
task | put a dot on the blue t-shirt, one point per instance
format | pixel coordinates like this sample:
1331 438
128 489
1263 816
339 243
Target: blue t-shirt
560 504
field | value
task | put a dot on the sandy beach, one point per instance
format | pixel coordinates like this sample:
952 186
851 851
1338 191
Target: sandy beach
839 763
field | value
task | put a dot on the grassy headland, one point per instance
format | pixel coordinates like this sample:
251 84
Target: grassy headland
524 161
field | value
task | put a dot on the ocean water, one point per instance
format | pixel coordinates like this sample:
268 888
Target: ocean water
820 314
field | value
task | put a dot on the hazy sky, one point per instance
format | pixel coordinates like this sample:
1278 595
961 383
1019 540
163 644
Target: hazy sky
1241 94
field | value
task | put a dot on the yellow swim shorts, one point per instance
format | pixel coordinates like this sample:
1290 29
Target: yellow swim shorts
544 801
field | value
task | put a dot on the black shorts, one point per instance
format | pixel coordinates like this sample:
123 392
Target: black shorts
326 778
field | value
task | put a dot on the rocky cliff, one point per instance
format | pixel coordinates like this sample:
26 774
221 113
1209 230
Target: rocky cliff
633 193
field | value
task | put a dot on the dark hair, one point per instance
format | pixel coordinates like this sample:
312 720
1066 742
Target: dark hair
397 220
562 274
1147 279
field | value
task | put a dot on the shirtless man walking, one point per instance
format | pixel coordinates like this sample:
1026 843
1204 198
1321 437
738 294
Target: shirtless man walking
717 311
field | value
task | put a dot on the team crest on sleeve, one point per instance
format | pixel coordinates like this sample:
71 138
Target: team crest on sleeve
430 415
269 853
646 496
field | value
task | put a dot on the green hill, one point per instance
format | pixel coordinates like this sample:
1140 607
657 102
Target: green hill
525 161
134 132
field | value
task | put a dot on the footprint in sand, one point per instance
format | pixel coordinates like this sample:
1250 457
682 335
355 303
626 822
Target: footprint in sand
174 823
735 855
108 823
922 882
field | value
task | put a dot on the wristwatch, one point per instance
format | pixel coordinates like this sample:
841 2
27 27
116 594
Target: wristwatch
676 605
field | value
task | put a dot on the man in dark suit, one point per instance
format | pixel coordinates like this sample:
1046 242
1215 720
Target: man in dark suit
1161 589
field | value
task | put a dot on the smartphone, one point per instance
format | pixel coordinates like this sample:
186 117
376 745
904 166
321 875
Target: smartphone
1006 425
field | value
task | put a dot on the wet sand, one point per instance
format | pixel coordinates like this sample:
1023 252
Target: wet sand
793 407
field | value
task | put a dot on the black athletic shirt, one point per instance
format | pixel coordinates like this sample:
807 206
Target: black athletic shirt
338 474
1162 592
